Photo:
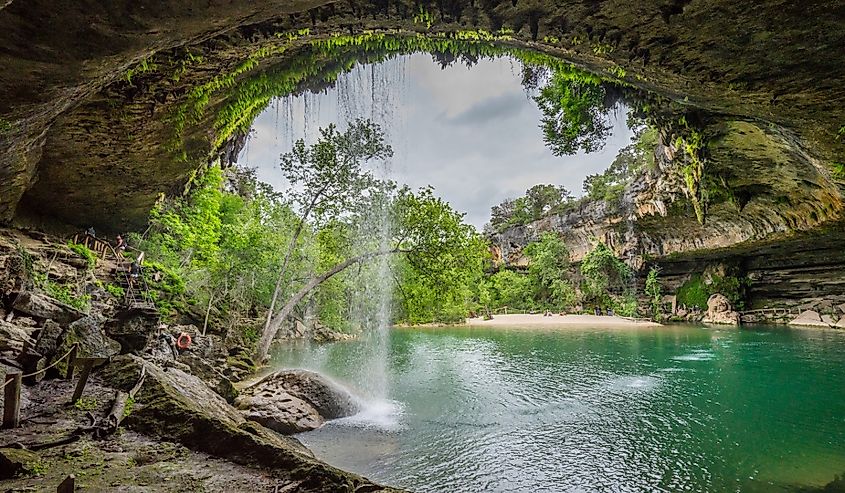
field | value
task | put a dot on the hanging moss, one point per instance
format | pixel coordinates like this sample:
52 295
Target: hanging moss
693 145
323 59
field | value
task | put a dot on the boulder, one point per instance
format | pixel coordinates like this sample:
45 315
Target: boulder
133 329
327 398
322 334
92 342
808 318
43 307
14 462
829 320
841 308
719 311
840 324
180 407
48 339
14 337
279 411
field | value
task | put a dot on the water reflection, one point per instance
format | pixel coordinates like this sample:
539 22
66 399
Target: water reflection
670 409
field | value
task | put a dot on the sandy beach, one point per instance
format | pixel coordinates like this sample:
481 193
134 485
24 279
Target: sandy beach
532 320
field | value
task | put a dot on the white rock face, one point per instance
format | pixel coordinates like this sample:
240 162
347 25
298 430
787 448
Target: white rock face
720 311
809 318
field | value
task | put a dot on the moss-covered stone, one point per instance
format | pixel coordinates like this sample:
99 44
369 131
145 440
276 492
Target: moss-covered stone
15 462
180 407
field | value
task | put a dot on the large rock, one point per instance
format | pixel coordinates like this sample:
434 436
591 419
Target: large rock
44 307
179 406
133 330
719 311
279 411
91 339
293 401
327 397
808 318
48 339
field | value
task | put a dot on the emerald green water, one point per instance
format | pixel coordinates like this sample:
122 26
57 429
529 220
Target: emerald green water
668 409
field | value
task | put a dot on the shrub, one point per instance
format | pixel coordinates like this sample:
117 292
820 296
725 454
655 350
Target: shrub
694 293
66 295
115 290
84 252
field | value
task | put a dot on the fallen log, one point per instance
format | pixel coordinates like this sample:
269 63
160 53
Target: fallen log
115 416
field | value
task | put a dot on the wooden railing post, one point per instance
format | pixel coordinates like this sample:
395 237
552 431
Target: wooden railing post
71 361
88 364
12 401
68 485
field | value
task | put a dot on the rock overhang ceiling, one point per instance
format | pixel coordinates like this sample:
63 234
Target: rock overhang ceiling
90 93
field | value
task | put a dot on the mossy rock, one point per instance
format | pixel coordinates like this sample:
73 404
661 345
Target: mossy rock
15 462
180 407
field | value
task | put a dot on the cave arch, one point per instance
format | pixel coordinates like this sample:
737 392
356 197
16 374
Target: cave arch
76 105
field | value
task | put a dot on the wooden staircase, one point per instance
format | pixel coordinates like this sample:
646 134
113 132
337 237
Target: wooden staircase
137 293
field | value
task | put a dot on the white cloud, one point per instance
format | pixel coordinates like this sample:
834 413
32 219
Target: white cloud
473 134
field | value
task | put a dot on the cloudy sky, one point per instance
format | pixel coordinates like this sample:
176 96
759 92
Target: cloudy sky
472 133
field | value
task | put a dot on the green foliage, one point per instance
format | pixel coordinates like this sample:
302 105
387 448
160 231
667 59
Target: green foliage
66 294
538 202
5 126
86 404
424 17
630 162
84 252
115 290
653 290
444 259
167 288
510 289
693 293
839 170
694 145
696 292
547 271
625 305
144 66
602 272
127 408
36 468
576 113
322 59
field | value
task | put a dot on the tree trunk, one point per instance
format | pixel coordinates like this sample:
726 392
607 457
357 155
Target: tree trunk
282 271
273 327
207 312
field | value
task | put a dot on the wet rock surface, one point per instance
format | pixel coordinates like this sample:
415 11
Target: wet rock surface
293 401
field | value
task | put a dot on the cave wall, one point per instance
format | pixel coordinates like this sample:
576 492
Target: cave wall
90 144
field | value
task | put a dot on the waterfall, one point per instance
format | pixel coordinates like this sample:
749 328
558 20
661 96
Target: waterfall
377 92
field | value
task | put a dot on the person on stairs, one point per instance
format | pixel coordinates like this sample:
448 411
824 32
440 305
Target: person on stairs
120 247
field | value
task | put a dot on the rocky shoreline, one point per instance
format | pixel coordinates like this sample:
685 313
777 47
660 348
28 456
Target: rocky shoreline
180 431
